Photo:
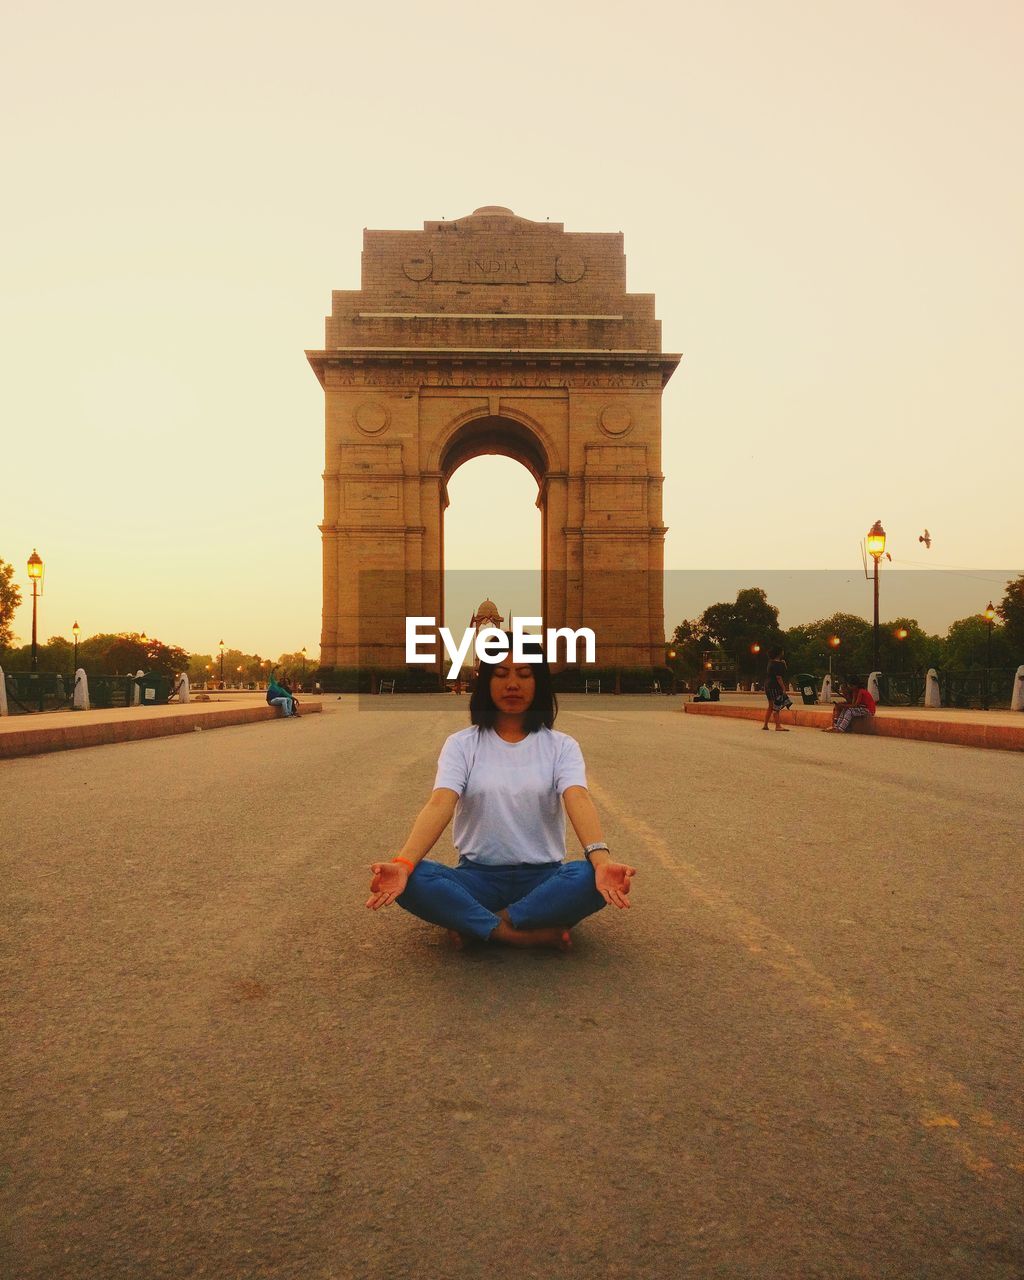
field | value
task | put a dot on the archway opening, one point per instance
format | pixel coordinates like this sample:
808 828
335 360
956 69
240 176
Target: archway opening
492 527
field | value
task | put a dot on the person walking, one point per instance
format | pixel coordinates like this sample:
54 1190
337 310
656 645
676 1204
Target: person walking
505 780
775 689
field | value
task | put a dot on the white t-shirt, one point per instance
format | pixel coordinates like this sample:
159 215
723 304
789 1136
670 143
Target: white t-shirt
510 793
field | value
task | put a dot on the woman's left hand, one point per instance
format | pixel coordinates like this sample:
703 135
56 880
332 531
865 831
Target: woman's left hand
613 880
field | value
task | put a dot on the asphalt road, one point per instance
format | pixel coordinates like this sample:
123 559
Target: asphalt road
798 1055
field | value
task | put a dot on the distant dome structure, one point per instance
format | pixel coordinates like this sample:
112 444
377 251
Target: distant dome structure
492 208
488 610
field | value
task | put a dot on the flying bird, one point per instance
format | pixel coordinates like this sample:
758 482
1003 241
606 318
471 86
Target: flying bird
926 538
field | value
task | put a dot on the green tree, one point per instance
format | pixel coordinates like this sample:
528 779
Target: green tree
687 642
808 648
736 628
202 667
904 646
1011 610
966 646
10 598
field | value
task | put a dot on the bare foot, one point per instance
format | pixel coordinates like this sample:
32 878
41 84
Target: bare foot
778 729
557 937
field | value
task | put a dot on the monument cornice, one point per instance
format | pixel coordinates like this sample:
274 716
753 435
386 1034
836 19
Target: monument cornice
430 365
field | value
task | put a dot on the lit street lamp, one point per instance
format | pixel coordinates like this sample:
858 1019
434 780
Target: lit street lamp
74 631
221 661
876 549
35 573
990 617
833 643
899 635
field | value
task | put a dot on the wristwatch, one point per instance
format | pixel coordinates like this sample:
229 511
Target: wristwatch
593 848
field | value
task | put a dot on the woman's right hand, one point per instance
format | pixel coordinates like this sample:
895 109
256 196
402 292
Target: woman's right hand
388 882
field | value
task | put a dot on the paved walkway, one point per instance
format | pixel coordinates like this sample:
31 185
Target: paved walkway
797 1056
1003 730
36 734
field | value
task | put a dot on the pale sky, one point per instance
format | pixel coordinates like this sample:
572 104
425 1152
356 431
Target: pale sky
826 199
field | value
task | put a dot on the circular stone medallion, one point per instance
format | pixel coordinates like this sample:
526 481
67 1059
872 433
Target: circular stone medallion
418 268
372 418
615 420
570 268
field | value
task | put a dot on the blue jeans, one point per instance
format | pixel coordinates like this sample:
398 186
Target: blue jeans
466 897
287 705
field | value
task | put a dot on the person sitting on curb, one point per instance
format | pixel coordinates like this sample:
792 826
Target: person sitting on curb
703 694
506 781
280 695
859 703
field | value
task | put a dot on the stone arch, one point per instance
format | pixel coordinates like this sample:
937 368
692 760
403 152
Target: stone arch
486 433
492 334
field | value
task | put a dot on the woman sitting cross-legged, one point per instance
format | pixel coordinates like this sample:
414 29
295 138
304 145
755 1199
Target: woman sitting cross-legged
505 781
858 703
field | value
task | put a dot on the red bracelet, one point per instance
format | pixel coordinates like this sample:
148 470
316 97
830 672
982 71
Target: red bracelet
410 865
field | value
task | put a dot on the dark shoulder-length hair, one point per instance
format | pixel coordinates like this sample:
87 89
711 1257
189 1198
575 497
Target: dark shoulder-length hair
541 712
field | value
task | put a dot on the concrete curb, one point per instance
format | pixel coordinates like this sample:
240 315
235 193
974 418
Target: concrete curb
999 737
37 740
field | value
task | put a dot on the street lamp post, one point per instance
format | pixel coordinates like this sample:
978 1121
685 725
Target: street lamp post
876 549
303 664
833 643
35 573
990 616
221 661
901 634
74 631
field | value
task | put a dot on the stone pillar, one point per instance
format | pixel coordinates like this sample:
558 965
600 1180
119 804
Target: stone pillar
932 695
80 697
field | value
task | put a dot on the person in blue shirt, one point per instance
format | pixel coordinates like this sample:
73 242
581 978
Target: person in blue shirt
505 781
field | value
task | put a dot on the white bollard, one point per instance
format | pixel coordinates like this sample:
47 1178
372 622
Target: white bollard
826 690
136 691
183 688
1017 701
3 694
873 685
932 694
80 697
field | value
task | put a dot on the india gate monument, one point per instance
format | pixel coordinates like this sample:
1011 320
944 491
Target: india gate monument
492 334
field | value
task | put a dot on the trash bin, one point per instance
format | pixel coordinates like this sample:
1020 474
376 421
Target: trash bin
154 689
808 686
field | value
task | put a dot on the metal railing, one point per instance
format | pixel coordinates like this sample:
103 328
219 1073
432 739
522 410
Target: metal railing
976 689
29 692
111 691
34 691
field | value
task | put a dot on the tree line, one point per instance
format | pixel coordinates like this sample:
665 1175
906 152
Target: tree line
736 638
